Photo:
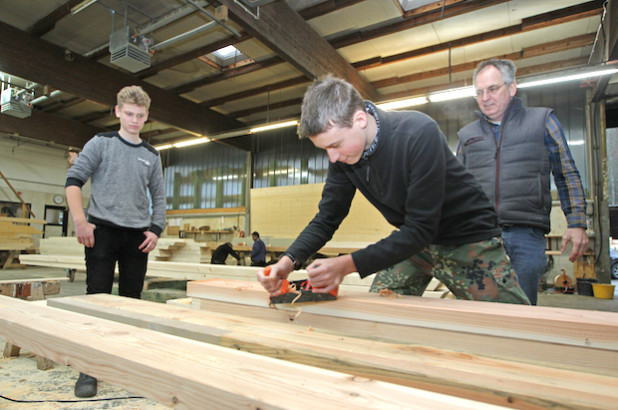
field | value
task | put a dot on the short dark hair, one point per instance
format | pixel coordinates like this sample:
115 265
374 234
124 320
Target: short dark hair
255 233
328 102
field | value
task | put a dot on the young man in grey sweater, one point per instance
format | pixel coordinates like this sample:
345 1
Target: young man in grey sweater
123 170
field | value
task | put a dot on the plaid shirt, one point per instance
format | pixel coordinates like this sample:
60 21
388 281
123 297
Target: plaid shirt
566 176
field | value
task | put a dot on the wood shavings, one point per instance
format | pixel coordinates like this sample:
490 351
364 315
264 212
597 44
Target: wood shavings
300 310
389 293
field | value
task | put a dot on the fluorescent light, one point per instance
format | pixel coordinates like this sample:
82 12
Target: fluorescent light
162 147
453 94
287 171
82 6
274 126
188 143
565 78
409 102
225 177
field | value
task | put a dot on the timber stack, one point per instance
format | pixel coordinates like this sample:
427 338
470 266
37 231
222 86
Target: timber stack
227 343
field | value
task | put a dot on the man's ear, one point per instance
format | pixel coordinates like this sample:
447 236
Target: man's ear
360 116
117 111
513 88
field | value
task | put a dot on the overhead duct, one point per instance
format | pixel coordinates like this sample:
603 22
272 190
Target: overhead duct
15 101
130 50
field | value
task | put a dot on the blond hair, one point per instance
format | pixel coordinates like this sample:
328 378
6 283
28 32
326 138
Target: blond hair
133 94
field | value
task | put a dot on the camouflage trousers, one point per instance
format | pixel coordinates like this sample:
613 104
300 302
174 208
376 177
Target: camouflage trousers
474 271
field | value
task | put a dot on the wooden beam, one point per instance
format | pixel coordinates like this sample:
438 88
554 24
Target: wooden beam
473 377
187 271
273 27
533 334
548 19
47 23
183 373
41 61
411 21
38 125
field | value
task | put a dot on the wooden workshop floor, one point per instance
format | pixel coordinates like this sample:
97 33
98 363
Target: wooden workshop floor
21 380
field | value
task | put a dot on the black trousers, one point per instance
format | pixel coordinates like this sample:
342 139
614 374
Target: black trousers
113 245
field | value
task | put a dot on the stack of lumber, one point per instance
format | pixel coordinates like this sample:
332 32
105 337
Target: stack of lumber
18 233
191 271
168 249
198 271
182 372
512 355
362 350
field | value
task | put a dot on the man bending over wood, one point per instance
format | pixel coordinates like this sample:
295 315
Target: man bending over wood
401 163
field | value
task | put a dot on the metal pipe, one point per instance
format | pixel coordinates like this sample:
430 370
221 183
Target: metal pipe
182 36
212 17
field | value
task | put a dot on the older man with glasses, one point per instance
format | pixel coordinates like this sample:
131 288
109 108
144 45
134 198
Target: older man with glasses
512 150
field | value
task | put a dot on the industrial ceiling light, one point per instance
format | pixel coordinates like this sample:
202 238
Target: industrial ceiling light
163 147
82 6
565 78
188 143
453 94
408 102
464 92
273 126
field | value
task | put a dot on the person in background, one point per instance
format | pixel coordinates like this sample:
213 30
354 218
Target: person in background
400 161
258 252
221 253
511 150
123 170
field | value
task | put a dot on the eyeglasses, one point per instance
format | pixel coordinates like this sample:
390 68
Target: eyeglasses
490 90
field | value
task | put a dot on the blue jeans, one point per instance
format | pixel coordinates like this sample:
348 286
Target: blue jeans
526 247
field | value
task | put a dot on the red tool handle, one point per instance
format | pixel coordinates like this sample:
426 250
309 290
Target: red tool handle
284 282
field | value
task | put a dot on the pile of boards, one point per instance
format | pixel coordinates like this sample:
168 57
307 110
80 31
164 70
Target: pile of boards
17 234
168 249
227 346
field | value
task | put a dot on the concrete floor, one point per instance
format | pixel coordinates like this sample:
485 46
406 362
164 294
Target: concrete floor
20 379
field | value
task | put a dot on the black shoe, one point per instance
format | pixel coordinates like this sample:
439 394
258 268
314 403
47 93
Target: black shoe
86 386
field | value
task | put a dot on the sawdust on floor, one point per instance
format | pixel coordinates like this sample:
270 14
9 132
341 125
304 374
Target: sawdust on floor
20 380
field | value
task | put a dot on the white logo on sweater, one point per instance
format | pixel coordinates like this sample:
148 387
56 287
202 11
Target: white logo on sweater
144 161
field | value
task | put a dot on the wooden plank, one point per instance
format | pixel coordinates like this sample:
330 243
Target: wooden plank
533 334
189 271
473 377
22 220
182 373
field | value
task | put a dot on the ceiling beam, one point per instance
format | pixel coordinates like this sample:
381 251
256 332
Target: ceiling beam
549 19
412 22
37 60
65 130
47 23
276 22
541 49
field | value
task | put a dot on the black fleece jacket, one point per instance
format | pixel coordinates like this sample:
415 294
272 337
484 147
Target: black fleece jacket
416 182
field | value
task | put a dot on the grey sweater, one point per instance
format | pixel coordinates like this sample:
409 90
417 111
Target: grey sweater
122 175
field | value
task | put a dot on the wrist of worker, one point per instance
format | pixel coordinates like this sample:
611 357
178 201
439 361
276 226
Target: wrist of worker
292 263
